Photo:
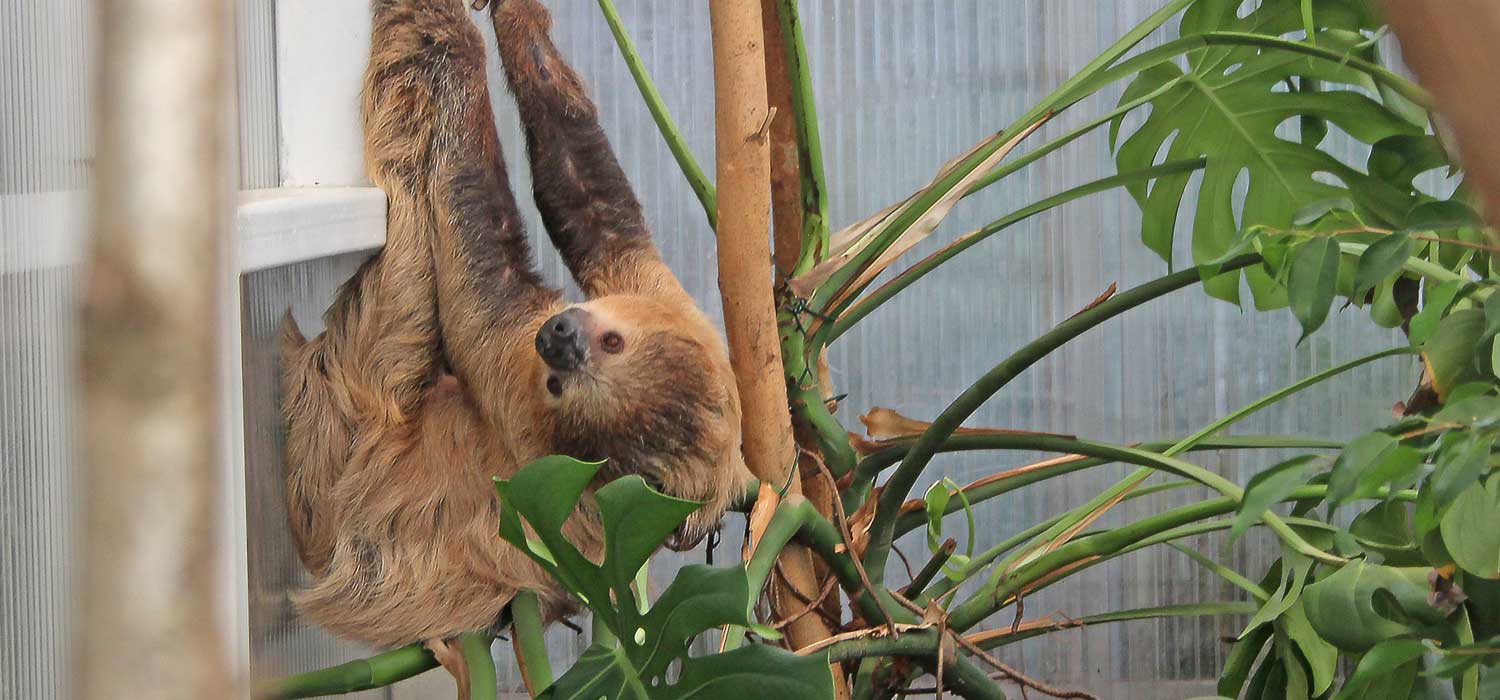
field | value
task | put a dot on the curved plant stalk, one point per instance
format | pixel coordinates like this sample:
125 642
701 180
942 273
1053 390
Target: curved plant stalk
1046 149
982 560
362 674
1037 628
882 294
475 647
926 447
1083 553
1095 507
1422 268
530 643
702 186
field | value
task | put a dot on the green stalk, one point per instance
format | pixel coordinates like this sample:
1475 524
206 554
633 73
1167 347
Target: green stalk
1097 548
921 454
1075 88
530 641
1220 609
809 143
1046 149
930 570
363 674
1422 268
1273 521
883 294
670 133
1051 443
476 650
983 559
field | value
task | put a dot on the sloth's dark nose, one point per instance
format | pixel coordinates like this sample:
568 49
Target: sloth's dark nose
561 341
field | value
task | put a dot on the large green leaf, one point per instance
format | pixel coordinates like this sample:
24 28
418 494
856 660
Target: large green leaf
1391 661
1352 608
1228 106
1471 529
636 520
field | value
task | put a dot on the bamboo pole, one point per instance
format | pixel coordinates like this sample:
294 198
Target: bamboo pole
743 172
743 175
1448 43
149 318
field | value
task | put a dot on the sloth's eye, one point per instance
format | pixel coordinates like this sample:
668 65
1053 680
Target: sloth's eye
612 342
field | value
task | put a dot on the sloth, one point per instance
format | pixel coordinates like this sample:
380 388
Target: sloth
446 361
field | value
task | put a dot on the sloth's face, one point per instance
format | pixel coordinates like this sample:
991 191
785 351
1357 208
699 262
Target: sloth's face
647 386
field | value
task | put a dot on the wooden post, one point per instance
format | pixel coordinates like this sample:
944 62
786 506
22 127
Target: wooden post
743 173
150 609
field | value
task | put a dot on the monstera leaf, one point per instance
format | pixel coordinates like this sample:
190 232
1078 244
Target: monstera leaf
1364 604
636 521
1229 105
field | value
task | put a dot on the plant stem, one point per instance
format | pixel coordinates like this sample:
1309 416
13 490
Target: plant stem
702 187
809 142
899 486
530 642
929 571
890 289
476 650
1111 494
363 674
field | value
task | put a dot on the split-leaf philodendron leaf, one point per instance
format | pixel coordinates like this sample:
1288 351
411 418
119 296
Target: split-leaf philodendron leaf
1228 107
636 520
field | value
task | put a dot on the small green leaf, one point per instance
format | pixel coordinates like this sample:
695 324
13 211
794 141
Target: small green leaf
1268 488
1444 215
1462 463
1382 259
1471 529
1434 308
1311 286
1382 660
1322 658
1449 353
1240 660
1369 462
1385 311
636 521
1312 212
1292 578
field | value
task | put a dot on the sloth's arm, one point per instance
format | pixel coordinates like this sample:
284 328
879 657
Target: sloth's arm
428 107
586 202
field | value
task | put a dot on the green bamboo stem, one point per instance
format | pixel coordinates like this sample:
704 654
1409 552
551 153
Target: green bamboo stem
809 142
909 276
898 487
702 186
476 650
530 641
363 674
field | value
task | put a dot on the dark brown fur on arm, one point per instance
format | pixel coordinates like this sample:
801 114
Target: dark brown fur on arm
587 204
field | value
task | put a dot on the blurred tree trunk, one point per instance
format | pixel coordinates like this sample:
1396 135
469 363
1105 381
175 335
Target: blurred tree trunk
1450 45
150 357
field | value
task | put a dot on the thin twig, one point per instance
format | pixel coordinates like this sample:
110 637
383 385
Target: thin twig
813 605
1021 678
904 561
843 521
